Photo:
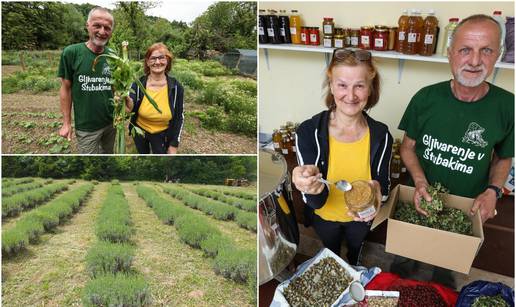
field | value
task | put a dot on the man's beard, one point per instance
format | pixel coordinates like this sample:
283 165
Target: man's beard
468 82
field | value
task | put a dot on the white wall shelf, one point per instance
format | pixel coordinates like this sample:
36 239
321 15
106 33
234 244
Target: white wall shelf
378 54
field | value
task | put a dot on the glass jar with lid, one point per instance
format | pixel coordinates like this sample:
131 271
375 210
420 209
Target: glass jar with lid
339 38
361 199
354 37
328 41
381 38
328 26
315 39
366 38
305 35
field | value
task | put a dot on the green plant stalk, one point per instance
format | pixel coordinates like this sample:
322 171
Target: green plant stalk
123 75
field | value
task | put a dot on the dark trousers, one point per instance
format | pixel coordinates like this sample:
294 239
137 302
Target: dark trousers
147 142
332 233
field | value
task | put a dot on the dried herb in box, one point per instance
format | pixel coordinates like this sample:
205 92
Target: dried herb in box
439 216
320 285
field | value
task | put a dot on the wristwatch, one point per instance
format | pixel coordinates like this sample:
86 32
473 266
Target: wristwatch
498 191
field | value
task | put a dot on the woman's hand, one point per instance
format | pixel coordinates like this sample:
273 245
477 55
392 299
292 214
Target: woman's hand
171 150
305 179
377 190
129 104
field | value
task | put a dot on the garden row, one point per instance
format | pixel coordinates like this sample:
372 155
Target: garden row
13 205
218 210
6 192
197 231
43 219
244 204
109 261
9 182
238 193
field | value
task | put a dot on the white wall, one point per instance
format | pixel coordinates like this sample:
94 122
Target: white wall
292 89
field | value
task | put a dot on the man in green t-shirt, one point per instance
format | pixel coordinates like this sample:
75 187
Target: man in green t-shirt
90 91
461 132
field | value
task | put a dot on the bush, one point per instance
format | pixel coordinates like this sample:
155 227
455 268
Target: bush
214 243
237 264
242 123
246 220
117 290
193 230
189 78
246 86
214 118
109 258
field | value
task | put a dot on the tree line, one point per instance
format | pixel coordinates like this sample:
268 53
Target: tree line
54 25
188 169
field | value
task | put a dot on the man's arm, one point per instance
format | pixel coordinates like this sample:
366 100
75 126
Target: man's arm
409 157
486 201
65 98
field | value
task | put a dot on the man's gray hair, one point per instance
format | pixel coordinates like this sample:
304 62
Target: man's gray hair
475 19
101 9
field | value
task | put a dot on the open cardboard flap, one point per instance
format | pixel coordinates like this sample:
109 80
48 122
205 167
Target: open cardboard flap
386 209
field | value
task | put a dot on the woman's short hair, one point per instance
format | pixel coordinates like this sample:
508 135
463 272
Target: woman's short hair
347 57
162 47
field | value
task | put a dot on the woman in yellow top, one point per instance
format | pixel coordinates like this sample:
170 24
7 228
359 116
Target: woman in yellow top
161 131
343 142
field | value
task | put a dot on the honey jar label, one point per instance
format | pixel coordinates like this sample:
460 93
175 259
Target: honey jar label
328 29
327 42
282 32
401 36
270 31
378 43
339 43
354 41
313 38
429 38
367 212
261 31
365 40
412 37
303 37
293 31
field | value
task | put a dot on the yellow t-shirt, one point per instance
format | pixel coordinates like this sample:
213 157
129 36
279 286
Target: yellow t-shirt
348 161
150 119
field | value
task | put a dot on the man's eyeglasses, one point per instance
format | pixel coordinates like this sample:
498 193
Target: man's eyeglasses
342 53
153 59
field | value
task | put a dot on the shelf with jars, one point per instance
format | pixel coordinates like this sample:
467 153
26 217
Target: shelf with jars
376 54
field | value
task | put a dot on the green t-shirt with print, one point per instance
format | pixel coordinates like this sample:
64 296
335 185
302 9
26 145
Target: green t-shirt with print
91 90
455 139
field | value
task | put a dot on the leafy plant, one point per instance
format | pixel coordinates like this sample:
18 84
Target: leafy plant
117 290
109 258
490 301
124 73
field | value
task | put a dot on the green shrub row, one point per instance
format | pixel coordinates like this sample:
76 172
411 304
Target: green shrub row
218 210
13 205
45 218
239 194
114 219
6 192
197 231
35 80
109 261
244 204
8 182
126 290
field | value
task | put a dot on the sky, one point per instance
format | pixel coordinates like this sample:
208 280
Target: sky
185 11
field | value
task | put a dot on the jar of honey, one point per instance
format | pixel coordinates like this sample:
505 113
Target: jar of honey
314 36
393 38
354 37
339 38
361 199
381 38
366 38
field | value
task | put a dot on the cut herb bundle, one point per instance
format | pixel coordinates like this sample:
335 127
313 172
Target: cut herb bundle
440 216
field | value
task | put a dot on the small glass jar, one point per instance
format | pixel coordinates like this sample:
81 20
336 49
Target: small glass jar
361 199
366 38
328 26
381 38
354 37
339 38
315 39
305 36
328 41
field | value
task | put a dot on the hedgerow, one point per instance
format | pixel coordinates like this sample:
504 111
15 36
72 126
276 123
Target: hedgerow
6 192
114 220
166 212
239 194
117 290
45 218
8 182
244 204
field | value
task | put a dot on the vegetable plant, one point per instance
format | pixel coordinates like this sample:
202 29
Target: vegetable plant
124 73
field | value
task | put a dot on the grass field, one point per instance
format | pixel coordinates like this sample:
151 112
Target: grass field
52 271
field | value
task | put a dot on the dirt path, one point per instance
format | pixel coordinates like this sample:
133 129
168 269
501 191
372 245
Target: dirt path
52 273
242 237
178 275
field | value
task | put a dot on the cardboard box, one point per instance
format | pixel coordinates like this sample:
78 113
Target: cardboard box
437 247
